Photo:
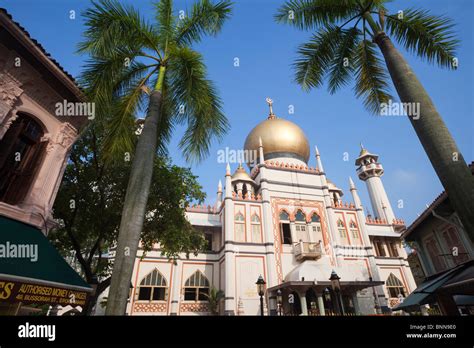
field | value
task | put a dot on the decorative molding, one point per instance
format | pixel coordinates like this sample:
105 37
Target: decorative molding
196 307
150 307
66 135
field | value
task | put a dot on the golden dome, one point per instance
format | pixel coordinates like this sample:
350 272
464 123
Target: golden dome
241 174
280 138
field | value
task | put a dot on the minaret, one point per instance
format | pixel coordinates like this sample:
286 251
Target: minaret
319 164
355 195
333 234
370 171
260 151
365 236
229 250
219 195
267 224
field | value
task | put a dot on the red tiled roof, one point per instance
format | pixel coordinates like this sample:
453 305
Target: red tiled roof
78 91
437 201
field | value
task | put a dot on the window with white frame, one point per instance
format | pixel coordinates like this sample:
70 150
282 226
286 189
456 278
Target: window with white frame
300 226
196 287
256 229
153 287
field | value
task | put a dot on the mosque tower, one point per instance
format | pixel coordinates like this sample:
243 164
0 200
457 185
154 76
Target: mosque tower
370 171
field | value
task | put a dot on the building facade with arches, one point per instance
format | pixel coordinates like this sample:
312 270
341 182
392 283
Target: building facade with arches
34 146
286 221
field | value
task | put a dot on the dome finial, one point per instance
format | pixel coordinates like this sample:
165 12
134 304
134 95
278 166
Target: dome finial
270 105
363 150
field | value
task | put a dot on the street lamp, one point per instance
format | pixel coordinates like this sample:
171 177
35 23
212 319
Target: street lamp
279 301
336 287
261 291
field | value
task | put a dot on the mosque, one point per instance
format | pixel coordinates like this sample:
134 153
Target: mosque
284 222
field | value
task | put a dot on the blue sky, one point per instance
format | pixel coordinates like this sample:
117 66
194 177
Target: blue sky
335 123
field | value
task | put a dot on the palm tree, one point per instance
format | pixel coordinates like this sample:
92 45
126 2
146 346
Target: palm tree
214 297
344 46
135 65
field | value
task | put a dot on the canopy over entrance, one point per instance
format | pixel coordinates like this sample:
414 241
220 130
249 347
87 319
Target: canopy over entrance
32 271
456 281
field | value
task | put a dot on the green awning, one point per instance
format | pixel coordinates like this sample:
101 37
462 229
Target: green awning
32 270
426 292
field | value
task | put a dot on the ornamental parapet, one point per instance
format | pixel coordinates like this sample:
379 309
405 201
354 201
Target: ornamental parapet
247 197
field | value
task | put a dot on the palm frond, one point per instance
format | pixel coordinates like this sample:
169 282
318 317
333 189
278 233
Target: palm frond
314 57
206 18
111 25
428 36
310 14
202 106
371 77
164 21
343 63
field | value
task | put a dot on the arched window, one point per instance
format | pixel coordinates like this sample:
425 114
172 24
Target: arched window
316 227
239 227
342 229
354 230
315 218
285 231
300 217
301 231
196 287
20 157
256 230
394 286
284 216
153 287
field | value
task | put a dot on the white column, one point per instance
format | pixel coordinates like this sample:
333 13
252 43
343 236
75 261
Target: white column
379 199
322 311
175 289
304 307
331 217
219 195
228 246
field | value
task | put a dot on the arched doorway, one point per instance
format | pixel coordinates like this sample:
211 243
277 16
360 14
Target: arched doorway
294 304
312 302
21 154
328 300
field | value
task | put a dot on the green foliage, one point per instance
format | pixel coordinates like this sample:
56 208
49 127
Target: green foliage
90 200
214 298
312 14
371 77
126 53
325 56
429 37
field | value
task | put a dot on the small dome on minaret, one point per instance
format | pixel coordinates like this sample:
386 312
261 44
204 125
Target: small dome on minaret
241 175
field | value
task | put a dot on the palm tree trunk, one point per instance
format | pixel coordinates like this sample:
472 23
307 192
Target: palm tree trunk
438 143
134 209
